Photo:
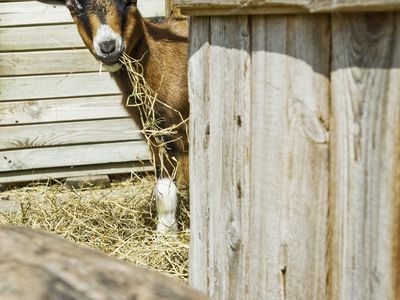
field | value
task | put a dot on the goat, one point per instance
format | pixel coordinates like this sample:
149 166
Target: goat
111 27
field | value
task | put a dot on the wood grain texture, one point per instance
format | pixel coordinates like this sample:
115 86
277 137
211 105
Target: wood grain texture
64 109
27 159
44 135
40 38
365 156
56 86
198 75
32 13
229 165
259 181
37 265
289 157
238 7
62 172
151 8
17 13
47 62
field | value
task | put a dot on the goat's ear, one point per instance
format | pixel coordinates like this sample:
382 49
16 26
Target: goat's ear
53 2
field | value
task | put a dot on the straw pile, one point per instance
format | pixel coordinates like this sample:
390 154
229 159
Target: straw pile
119 221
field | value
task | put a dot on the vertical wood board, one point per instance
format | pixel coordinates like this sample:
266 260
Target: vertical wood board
365 156
289 157
199 122
261 168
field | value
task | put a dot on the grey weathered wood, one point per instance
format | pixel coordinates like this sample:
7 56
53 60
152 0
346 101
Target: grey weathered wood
37 265
64 109
198 75
56 86
40 38
229 141
365 157
238 7
62 172
259 181
35 13
36 158
44 135
47 62
151 8
32 13
9 206
289 157
87 181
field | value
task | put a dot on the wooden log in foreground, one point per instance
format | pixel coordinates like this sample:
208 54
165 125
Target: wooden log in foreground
36 265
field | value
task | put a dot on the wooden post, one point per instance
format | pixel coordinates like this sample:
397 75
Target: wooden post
365 202
295 149
259 149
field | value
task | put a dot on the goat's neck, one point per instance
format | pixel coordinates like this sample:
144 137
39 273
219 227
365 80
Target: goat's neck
150 53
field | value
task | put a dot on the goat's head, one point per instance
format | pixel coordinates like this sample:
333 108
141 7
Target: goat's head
107 27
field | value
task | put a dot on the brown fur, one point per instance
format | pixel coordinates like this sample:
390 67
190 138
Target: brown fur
164 48
164 51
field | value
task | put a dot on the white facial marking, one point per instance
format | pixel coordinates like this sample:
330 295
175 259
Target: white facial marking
105 33
78 5
75 2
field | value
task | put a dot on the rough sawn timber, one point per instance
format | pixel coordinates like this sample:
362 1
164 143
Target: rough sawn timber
36 265
365 178
259 142
241 7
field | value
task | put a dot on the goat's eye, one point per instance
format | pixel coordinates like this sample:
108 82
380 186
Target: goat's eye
130 2
74 6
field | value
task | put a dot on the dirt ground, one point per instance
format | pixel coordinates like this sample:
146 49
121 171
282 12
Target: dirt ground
119 220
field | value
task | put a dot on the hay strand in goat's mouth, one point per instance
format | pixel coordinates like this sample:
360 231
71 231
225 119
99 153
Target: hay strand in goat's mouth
144 98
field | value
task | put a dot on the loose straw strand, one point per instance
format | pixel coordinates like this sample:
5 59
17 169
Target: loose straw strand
144 98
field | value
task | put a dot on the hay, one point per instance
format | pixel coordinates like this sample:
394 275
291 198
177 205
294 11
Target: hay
119 221
144 98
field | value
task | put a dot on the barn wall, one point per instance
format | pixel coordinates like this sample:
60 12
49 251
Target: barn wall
58 115
295 187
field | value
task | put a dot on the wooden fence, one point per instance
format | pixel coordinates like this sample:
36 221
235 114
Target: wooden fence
295 149
58 116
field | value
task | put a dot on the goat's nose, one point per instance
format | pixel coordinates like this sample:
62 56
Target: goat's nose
107 46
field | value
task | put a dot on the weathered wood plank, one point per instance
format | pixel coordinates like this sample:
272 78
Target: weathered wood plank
45 37
57 110
31 13
27 159
239 7
289 157
198 75
19 13
151 8
43 135
56 86
262 195
37 265
47 62
365 157
229 108
62 172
